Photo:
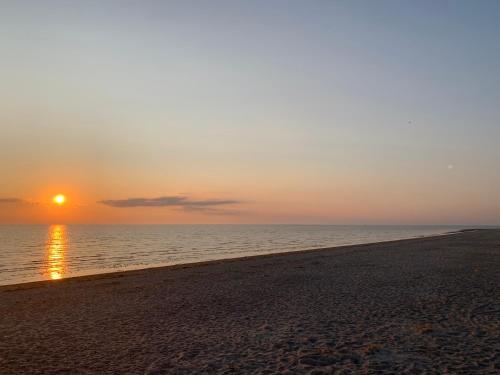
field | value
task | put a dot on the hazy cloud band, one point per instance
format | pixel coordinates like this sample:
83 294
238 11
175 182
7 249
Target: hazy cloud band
11 200
169 201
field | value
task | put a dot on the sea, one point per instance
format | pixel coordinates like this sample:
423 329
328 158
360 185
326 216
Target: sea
52 252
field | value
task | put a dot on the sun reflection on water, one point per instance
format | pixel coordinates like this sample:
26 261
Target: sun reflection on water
57 244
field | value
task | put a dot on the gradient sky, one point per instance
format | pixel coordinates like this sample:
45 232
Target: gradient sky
250 111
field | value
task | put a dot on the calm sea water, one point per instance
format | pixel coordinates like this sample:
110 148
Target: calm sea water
31 253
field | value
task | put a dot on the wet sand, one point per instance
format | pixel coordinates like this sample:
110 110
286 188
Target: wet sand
428 305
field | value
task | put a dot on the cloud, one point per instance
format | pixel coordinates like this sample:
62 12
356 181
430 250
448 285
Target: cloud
18 201
207 205
11 200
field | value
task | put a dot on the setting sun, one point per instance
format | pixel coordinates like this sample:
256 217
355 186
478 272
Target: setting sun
59 199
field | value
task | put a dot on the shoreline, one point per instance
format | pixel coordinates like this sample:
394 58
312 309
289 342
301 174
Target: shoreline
422 305
124 273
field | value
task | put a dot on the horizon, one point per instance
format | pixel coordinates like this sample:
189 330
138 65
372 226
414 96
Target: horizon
342 113
437 225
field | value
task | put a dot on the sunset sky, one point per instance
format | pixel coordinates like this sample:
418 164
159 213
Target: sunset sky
341 112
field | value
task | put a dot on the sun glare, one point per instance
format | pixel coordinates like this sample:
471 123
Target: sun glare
59 199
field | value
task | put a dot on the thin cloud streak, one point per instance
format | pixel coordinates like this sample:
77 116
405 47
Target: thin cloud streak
207 205
11 200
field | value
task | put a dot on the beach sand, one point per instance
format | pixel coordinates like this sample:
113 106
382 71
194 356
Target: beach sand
429 305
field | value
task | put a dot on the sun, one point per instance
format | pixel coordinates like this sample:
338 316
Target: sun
59 199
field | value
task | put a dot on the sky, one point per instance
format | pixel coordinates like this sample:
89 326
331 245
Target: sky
334 112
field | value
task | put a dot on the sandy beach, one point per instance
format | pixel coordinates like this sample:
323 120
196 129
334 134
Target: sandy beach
419 306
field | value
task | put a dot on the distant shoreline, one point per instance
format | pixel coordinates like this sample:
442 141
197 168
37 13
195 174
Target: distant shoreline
122 273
